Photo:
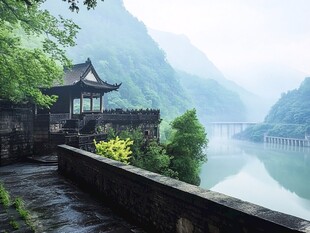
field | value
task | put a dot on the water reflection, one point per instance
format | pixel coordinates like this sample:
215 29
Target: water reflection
277 178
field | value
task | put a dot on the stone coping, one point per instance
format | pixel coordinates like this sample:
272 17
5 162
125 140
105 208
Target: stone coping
193 192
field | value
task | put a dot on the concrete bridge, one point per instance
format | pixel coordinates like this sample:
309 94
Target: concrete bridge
294 142
226 129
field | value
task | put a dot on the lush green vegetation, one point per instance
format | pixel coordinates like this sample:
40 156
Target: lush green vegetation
123 52
116 149
26 67
73 4
289 117
181 157
293 107
256 133
4 196
187 147
18 204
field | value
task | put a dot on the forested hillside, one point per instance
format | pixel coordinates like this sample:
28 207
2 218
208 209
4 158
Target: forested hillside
293 107
183 55
288 117
123 52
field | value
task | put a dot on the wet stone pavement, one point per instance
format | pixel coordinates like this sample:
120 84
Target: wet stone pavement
57 205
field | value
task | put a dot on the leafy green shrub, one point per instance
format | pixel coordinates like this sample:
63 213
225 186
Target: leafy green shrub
138 145
156 160
186 146
4 196
116 149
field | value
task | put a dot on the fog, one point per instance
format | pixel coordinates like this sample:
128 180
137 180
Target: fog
261 45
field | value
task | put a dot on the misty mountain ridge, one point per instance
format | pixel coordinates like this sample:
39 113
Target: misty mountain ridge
269 79
183 55
212 101
122 51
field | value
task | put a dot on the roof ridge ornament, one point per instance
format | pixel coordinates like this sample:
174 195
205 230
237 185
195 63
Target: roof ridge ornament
88 60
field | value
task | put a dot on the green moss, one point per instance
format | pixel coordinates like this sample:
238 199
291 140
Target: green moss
14 224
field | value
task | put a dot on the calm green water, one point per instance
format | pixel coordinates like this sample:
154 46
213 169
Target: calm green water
276 177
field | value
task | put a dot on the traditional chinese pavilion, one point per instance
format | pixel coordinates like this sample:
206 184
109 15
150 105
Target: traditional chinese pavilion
79 116
82 91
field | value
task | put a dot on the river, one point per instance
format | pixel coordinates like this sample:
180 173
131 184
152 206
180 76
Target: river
276 177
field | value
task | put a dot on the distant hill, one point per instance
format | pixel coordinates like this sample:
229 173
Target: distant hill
184 56
212 101
288 117
293 107
270 79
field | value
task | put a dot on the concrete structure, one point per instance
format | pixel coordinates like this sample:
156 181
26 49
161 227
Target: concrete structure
227 129
296 142
162 204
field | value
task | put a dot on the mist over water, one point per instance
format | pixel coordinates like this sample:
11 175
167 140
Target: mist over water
275 177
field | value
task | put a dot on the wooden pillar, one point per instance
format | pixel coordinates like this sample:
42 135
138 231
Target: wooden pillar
70 105
91 102
101 103
81 103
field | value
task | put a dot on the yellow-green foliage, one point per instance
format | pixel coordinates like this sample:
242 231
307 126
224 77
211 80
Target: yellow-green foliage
116 149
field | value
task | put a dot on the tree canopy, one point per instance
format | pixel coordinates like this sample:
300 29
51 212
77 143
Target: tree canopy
187 146
293 107
25 67
73 4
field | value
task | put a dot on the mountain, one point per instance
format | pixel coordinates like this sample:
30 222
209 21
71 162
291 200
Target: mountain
289 117
212 101
184 56
293 107
123 52
270 79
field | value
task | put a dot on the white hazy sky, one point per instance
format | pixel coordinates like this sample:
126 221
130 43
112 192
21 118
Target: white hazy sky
236 34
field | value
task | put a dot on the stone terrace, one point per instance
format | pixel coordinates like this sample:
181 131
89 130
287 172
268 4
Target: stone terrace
56 204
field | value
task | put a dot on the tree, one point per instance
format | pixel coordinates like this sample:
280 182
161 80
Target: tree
73 4
155 159
138 145
187 147
24 69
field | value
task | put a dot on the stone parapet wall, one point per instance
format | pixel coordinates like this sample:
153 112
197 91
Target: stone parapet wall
16 132
162 204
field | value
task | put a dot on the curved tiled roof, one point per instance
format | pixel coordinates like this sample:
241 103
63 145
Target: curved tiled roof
76 75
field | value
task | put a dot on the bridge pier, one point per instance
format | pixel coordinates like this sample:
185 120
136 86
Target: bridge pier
294 142
227 129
